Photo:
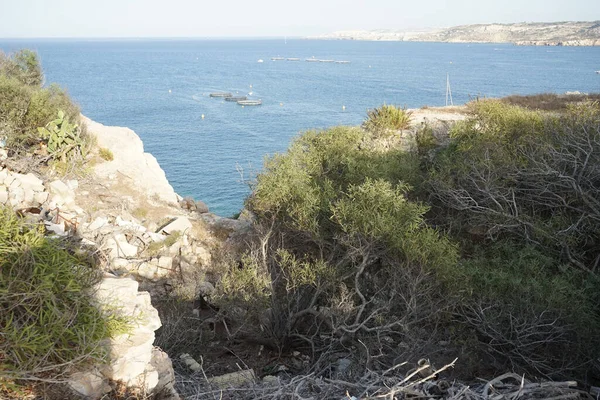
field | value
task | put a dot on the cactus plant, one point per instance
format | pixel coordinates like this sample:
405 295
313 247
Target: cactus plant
63 138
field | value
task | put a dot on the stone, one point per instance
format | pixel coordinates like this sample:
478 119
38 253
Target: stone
3 195
201 207
119 247
98 223
190 362
32 182
57 229
15 183
181 224
130 354
40 197
141 169
174 248
155 237
232 379
59 187
270 380
166 376
28 196
205 288
203 255
18 194
90 385
165 262
147 270
73 184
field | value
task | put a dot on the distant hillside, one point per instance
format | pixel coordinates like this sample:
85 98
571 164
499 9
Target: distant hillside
538 34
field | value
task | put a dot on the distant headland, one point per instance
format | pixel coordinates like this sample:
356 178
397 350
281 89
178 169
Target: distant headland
580 33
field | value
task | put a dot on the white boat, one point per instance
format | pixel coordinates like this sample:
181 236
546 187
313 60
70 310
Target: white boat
598 72
250 102
312 60
261 60
342 62
293 59
326 61
277 58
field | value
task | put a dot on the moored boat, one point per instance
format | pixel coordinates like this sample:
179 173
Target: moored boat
221 94
277 58
236 98
293 59
250 102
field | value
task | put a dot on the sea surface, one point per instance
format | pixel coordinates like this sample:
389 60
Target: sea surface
160 89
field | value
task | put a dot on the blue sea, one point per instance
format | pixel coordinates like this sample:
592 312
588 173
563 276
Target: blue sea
160 89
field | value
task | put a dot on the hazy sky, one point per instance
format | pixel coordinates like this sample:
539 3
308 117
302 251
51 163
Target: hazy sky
217 18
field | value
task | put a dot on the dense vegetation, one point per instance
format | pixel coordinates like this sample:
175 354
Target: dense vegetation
37 123
485 247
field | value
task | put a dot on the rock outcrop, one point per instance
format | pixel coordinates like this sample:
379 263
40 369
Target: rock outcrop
130 162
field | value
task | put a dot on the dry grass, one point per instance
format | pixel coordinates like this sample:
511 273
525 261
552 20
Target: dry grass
549 101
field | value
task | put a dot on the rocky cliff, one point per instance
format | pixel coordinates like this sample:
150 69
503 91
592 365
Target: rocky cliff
539 34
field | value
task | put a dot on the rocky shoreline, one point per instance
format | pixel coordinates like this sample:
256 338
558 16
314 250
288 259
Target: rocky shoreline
522 34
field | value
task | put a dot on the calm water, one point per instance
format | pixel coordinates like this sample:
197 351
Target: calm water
160 89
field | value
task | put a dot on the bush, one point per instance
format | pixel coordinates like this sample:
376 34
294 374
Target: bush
47 318
25 106
350 257
384 121
528 310
23 65
526 182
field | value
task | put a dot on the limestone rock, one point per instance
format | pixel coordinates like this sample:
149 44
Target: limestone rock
119 247
130 354
98 223
181 224
233 379
90 385
32 182
130 162
190 362
3 195
166 377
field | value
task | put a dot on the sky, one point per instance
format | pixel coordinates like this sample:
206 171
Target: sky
257 18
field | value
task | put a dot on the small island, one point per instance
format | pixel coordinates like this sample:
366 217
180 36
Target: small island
585 33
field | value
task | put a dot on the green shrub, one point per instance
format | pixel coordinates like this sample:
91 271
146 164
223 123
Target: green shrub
47 318
25 106
24 65
298 188
527 309
340 233
384 121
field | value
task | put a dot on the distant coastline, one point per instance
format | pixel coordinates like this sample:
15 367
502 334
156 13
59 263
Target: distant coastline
580 33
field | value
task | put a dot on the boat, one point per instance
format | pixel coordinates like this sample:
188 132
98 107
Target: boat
236 98
293 59
327 61
312 60
261 60
277 58
598 72
342 62
221 94
249 102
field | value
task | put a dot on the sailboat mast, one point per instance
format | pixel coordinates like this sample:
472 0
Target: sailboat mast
448 90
